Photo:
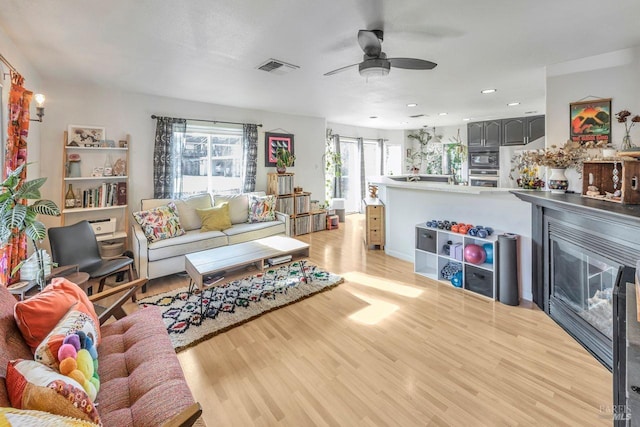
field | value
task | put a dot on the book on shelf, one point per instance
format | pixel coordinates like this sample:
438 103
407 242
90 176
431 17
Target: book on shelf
105 195
122 193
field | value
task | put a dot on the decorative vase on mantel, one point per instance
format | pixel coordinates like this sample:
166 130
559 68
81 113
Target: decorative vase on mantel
558 182
626 142
281 169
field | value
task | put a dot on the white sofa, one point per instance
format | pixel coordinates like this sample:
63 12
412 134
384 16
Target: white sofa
164 257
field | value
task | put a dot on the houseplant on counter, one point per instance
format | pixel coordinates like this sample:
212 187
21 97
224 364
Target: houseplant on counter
16 216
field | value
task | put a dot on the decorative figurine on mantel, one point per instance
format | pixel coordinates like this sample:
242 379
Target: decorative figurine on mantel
626 139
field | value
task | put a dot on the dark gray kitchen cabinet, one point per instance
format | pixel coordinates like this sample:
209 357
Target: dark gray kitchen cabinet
483 135
522 130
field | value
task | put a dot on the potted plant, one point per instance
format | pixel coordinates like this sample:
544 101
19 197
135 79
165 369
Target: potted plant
284 159
16 216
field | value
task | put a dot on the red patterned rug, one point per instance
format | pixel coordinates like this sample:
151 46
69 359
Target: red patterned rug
233 303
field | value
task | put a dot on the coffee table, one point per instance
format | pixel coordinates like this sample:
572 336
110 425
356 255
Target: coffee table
217 261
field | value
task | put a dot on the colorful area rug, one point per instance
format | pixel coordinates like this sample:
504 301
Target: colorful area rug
231 304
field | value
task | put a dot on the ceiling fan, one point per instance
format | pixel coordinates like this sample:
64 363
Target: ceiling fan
375 61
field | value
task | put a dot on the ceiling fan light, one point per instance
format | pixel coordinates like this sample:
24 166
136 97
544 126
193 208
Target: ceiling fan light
374 68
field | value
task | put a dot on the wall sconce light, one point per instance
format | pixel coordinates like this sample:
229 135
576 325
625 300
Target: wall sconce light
39 98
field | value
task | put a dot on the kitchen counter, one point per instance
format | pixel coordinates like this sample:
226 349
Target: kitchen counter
410 203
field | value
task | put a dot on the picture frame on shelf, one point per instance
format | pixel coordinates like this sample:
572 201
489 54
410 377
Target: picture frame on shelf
590 121
85 136
273 141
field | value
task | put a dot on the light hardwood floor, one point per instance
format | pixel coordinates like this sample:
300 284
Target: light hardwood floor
391 348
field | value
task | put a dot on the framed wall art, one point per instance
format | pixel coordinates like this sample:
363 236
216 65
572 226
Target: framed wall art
273 141
85 136
590 121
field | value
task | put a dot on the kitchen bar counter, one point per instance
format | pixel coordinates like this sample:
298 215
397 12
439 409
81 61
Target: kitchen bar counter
435 186
410 203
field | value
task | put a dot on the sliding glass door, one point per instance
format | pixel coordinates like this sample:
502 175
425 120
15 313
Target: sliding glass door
350 174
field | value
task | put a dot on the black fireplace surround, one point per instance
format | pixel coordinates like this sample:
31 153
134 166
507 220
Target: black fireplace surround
584 252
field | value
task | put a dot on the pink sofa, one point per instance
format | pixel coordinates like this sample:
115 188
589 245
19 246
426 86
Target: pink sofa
142 383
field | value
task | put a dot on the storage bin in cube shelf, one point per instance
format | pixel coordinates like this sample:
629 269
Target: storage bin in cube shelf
338 205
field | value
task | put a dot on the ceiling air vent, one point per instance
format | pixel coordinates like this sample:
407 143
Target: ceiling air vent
275 66
415 116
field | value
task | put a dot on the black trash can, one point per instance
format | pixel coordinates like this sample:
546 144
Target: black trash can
508 287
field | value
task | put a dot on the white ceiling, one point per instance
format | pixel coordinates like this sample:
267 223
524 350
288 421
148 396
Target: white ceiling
208 51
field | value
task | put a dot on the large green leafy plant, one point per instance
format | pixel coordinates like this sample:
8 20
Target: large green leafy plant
17 217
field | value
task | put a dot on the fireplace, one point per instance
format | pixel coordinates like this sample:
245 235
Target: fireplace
584 268
584 250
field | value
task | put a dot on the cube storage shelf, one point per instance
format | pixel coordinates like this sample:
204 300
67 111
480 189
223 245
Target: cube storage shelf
304 220
431 259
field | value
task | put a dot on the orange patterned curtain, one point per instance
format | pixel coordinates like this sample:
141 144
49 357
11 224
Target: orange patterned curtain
15 155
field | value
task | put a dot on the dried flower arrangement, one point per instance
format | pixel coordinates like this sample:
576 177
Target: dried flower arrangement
571 155
622 117
526 164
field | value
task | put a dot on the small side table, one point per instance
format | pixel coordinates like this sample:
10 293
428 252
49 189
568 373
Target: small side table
26 289
20 289
374 230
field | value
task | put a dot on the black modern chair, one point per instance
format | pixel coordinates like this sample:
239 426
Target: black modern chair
77 245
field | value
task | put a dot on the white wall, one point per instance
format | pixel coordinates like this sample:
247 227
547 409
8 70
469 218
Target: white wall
395 136
613 75
127 112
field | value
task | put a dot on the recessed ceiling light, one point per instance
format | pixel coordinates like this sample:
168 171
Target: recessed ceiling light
513 104
373 117
488 90
413 104
466 119
442 114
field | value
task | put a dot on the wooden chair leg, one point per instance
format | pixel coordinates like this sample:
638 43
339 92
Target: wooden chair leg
101 287
131 278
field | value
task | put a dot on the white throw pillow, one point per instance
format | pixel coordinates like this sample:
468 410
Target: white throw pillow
189 218
238 206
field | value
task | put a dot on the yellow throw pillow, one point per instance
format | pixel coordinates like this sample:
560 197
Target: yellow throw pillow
216 218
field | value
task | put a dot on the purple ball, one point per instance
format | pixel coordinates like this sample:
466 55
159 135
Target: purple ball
474 254
72 339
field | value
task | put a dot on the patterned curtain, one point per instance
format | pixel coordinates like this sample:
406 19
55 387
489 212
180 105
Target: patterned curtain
15 155
167 157
250 156
337 175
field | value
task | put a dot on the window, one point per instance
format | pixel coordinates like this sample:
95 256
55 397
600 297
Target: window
372 157
212 159
350 173
392 160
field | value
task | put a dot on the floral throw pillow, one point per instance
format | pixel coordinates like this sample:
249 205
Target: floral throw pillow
160 223
262 208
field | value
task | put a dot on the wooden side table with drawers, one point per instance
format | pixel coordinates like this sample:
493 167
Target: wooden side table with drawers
374 228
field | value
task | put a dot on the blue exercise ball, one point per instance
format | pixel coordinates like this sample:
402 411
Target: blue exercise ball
488 249
456 279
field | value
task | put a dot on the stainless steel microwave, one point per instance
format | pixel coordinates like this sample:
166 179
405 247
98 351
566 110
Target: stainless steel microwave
484 160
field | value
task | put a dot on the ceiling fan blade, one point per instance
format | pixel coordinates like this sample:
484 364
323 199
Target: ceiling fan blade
412 63
339 70
369 42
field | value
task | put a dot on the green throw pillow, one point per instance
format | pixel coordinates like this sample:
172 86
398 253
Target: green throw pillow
216 218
